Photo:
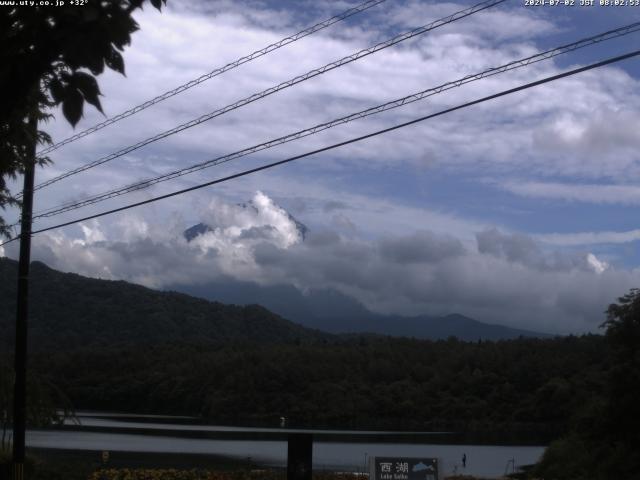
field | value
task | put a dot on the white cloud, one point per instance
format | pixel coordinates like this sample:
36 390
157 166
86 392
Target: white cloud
236 222
588 238
599 266
515 23
92 233
588 193
526 132
503 278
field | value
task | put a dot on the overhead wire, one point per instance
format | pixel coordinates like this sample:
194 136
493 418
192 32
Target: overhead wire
289 83
217 71
503 93
538 57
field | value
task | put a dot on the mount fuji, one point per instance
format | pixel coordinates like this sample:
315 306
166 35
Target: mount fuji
332 311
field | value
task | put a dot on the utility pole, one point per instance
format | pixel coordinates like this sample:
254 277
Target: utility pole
20 362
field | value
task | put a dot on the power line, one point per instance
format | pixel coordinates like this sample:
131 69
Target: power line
289 83
619 32
218 71
346 142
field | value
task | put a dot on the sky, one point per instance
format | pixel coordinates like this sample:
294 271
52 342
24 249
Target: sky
521 211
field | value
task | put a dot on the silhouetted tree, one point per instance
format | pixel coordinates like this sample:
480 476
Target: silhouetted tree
50 56
623 402
604 440
47 404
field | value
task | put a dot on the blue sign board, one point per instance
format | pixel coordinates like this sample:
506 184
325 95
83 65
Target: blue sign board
403 468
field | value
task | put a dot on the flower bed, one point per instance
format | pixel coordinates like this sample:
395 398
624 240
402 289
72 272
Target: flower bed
171 474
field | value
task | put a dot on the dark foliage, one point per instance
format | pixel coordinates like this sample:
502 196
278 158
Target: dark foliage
114 345
49 56
604 439
526 386
47 404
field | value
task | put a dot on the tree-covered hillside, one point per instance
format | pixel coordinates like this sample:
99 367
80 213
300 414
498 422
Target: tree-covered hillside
67 311
527 385
117 346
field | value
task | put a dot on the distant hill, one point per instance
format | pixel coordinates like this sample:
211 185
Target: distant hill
114 346
68 311
334 312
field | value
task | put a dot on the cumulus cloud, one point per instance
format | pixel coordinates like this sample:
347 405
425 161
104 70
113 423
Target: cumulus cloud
259 219
598 265
522 249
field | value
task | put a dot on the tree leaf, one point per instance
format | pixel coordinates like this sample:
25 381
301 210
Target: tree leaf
120 30
94 63
44 138
72 106
57 90
115 61
89 88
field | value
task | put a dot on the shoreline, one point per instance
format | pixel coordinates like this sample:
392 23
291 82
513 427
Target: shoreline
496 438
67 464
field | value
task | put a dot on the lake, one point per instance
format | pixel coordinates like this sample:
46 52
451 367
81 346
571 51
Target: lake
101 431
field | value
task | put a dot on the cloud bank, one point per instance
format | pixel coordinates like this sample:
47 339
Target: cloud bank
503 278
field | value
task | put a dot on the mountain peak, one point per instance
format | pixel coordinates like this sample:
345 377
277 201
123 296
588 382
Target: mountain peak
261 209
199 229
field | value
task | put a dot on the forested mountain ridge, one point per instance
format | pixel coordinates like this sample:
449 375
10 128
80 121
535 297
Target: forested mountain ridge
518 387
247 365
69 311
332 311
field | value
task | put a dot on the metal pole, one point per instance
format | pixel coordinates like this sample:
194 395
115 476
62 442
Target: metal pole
20 385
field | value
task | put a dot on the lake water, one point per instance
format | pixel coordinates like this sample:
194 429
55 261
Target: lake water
482 460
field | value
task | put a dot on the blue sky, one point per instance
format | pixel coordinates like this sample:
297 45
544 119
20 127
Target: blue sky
536 194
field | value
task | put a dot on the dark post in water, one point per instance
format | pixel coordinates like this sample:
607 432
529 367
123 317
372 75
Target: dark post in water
299 456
